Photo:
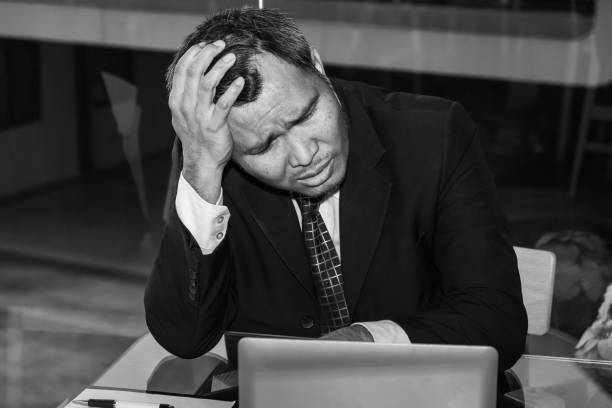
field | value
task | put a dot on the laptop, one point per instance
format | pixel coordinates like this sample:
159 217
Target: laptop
277 373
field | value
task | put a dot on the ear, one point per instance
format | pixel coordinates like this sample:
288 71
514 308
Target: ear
316 58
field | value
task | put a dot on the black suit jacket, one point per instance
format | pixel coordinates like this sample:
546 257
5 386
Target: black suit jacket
424 242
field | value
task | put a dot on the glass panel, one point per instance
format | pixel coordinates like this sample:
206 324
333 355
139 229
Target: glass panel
555 19
556 382
85 137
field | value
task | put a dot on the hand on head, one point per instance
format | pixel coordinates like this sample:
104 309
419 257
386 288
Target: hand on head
199 122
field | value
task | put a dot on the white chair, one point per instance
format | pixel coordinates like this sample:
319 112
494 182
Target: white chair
537 271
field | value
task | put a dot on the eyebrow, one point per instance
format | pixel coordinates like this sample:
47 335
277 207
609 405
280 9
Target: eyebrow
304 115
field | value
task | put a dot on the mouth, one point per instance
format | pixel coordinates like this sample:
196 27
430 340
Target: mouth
318 175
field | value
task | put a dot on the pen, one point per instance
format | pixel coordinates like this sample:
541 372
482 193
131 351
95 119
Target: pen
107 403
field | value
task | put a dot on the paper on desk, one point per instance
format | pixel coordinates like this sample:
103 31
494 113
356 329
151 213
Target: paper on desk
136 396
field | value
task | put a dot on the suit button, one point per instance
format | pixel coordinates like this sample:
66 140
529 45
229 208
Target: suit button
307 322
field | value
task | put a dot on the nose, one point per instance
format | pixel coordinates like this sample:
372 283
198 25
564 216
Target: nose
302 151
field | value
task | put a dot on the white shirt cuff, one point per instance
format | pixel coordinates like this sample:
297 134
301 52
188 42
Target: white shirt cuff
386 331
205 221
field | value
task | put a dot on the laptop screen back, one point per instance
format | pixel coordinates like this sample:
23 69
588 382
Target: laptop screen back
295 373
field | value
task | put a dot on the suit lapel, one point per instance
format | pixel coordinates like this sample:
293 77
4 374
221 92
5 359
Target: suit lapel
275 215
364 198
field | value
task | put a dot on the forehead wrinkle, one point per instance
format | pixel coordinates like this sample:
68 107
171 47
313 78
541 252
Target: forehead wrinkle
261 122
250 127
276 75
272 109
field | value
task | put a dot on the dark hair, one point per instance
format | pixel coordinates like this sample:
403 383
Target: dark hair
248 32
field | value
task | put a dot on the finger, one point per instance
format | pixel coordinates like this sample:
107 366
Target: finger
210 81
196 69
175 99
226 101
178 76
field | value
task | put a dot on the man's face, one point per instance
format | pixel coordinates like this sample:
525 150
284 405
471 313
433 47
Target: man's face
293 137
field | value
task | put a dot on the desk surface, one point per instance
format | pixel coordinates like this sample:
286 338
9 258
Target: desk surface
546 381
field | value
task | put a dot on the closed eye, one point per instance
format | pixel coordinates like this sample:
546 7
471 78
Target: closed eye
307 113
264 148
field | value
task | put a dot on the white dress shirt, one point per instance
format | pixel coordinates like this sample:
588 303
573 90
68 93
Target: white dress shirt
208 224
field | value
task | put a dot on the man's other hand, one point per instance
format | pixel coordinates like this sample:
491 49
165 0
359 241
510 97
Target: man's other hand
350 333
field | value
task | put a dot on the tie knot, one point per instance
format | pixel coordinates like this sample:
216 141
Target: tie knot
308 205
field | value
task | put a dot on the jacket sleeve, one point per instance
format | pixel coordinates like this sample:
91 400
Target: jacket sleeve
189 300
481 301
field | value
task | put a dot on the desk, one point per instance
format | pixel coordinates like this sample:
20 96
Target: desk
547 382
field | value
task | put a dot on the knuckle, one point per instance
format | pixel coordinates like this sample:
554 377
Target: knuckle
184 111
187 55
177 125
173 104
223 104
210 50
192 70
204 59
179 68
180 128
210 127
207 83
223 66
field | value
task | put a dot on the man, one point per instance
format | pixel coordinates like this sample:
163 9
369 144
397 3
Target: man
356 213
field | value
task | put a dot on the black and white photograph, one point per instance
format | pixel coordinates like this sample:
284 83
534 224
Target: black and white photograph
306 203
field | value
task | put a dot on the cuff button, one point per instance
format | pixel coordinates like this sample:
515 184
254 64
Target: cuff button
219 236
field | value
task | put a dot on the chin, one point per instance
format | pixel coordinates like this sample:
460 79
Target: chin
329 187
325 189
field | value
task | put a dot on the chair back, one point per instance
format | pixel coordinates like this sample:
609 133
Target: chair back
537 271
